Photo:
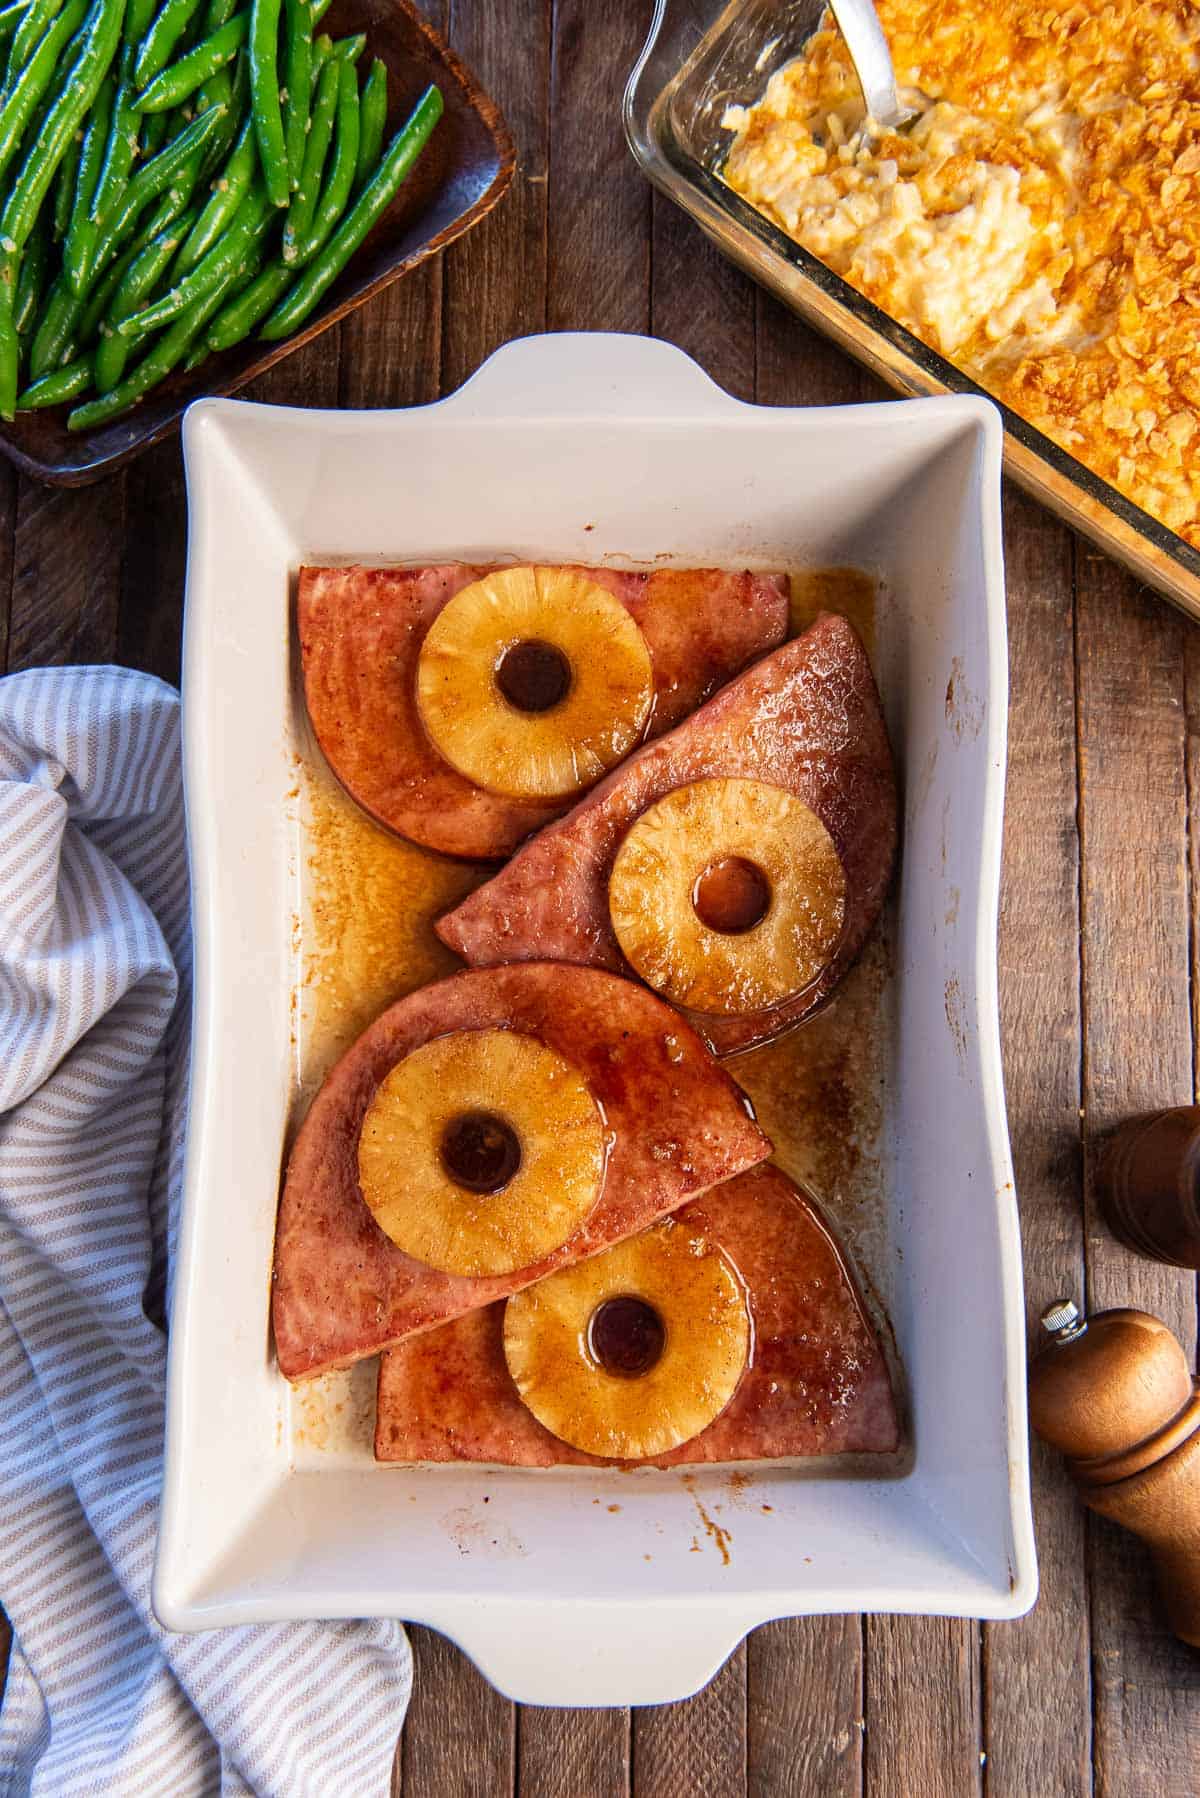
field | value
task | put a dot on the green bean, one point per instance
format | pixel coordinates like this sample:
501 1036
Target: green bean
65 182
108 363
172 203
170 349
193 32
29 33
33 131
372 122
218 89
231 89
181 114
167 26
56 328
264 90
322 51
58 80
200 354
140 279
370 205
227 252
80 88
10 356
123 124
238 317
22 102
11 18
218 12
172 174
92 315
82 230
34 267
175 169
174 200
349 49
56 388
228 192
299 81
155 132
335 194
211 271
319 9
172 166
304 200
121 146
199 65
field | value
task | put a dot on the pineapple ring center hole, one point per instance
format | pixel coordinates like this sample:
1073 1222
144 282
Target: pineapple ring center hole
732 896
626 1336
533 675
480 1151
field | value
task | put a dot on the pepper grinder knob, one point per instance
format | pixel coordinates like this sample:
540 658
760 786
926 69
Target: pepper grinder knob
1064 1320
1115 1393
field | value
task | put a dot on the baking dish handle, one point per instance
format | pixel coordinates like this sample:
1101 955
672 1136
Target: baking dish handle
590 374
597 1655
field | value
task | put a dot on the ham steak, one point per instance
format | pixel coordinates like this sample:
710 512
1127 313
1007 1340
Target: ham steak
808 719
361 631
817 1382
677 1125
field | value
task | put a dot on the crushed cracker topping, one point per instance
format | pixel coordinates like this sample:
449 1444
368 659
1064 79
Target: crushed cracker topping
1039 223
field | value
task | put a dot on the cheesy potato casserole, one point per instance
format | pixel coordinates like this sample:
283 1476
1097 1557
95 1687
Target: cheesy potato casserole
1038 223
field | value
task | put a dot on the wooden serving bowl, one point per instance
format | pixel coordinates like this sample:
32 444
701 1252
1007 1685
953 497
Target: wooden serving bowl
464 170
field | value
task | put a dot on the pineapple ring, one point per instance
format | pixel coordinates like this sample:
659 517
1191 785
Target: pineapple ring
554 746
628 1416
518 1110
665 861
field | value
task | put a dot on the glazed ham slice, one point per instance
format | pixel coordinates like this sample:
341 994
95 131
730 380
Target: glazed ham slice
817 1382
361 631
807 718
677 1125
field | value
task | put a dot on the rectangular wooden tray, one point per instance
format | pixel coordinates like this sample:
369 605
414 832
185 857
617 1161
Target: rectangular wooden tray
463 172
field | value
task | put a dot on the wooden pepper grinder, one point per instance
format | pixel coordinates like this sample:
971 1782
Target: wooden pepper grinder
1148 1184
1115 1393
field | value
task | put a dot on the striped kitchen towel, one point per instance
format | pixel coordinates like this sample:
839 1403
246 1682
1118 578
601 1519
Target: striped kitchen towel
94 969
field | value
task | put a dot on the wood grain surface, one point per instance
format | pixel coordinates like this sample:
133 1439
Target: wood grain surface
1099 989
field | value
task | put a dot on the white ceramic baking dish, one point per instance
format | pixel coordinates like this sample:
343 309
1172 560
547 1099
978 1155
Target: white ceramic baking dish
576 448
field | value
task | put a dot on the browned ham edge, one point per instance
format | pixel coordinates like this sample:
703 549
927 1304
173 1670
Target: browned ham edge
807 718
343 1290
817 1382
361 631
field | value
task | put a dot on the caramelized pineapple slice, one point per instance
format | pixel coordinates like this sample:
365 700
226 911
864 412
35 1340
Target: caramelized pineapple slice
533 682
728 896
481 1152
631 1353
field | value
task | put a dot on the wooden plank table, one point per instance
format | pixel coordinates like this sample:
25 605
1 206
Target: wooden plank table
1097 955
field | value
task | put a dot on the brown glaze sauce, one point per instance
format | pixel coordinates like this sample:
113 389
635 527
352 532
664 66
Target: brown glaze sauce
851 591
720 1537
364 937
480 1151
368 901
626 1336
732 896
534 676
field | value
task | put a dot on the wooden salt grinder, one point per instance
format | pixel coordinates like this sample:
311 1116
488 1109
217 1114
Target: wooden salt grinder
1115 1393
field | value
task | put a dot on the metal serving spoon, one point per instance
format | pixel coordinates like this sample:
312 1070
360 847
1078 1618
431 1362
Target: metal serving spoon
859 25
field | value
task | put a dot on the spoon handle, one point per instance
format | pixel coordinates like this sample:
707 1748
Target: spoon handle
859 25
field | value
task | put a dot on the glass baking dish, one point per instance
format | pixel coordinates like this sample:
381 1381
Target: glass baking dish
701 57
